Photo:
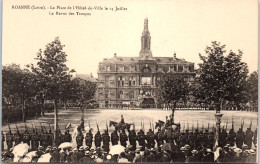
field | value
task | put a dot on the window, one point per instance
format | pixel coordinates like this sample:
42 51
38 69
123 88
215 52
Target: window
131 95
120 94
106 94
146 80
121 81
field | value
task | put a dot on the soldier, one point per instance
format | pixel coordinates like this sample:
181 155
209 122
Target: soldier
150 137
191 139
123 138
223 138
3 141
17 137
114 138
168 136
26 137
248 137
58 139
9 139
210 140
196 133
50 138
44 139
35 140
67 136
177 139
141 139
159 137
122 119
106 140
98 139
201 138
231 137
132 139
79 138
206 138
89 139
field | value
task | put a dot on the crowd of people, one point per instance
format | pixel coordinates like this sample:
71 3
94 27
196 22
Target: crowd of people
165 145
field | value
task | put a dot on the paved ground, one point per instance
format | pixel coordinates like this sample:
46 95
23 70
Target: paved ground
101 116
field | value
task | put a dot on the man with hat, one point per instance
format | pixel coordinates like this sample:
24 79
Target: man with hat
252 157
26 137
63 156
132 139
79 138
106 140
55 155
67 136
98 139
194 158
248 137
160 137
89 138
114 138
17 137
9 139
138 158
123 138
240 138
209 157
81 153
35 140
231 137
141 138
86 158
74 155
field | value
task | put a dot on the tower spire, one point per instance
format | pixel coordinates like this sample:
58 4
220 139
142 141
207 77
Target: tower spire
145 42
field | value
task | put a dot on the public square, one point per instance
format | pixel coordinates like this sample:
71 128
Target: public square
102 116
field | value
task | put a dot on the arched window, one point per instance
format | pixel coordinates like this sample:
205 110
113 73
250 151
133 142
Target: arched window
120 94
131 95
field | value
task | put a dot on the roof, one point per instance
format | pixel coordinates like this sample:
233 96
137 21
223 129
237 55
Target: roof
86 77
159 60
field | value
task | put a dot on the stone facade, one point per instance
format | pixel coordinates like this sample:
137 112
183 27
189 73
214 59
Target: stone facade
132 81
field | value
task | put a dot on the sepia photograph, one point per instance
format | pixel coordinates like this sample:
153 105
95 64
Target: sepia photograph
120 81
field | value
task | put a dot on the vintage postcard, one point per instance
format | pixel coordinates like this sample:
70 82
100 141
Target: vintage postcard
121 81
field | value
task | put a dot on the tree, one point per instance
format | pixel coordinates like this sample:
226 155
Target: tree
52 73
252 89
221 78
173 88
18 85
82 91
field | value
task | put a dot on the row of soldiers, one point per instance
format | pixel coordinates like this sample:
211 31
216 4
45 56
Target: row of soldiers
174 137
44 138
195 139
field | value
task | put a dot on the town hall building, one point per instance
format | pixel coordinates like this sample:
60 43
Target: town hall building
132 81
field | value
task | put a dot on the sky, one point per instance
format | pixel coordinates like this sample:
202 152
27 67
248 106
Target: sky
182 26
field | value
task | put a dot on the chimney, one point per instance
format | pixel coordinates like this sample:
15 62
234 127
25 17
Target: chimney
174 55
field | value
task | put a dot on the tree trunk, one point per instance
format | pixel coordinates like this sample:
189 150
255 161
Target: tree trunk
55 119
65 107
42 107
173 110
23 108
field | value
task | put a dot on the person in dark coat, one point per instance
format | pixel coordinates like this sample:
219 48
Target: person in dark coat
74 156
55 156
123 138
248 137
81 153
63 156
79 138
106 140
194 158
132 140
89 139
141 139
67 136
98 139
114 138
240 138
86 158
209 157
9 140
